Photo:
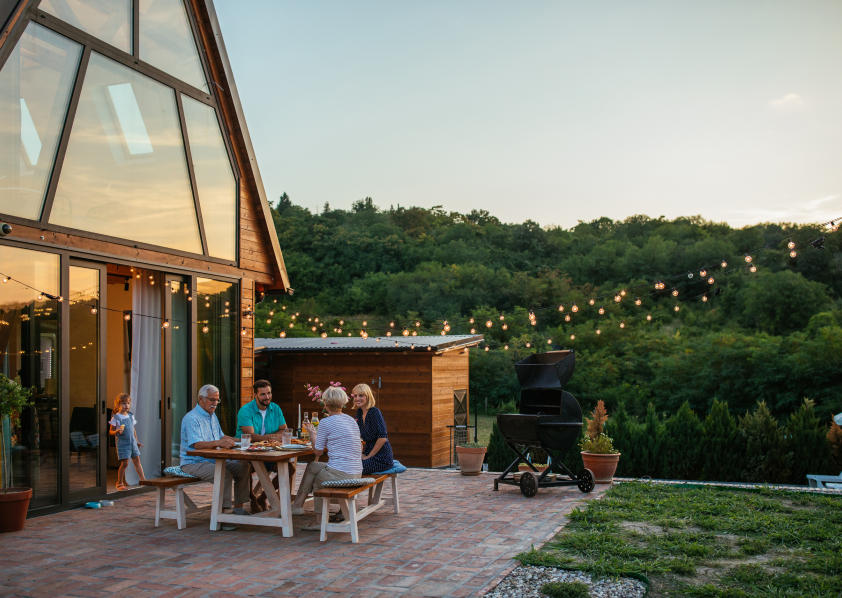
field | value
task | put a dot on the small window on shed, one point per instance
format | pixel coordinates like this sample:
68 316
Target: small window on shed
460 407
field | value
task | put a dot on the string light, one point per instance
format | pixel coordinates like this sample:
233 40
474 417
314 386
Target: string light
488 324
471 321
443 333
753 268
473 331
560 308
675 292
127 317
710 280
791 244
648 317
705 297
283 334
574 308
391 324
617 298
405 331
533 322
414 333
748 258
314 328
486 348
703 272
205 330
598 331
572 337
792 253
549 341
341 322
689 275
412 346
505 326
623 292
567 318
5 279
291 324
418 324
166 324
324 335
244 331
592 301
365 323
676 308
340 331
388 333
724 264
637 301
93 310
396 343
601 310
505 347
528 345
268 320
622 324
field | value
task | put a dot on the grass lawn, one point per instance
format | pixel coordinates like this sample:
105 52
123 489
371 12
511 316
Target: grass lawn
706 542
484 423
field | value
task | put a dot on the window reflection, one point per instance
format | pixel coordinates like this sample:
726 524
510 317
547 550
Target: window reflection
108 20
166 41
218 346
214 178
29 342
125 172
35 87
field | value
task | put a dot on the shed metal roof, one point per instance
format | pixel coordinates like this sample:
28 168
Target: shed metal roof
372 343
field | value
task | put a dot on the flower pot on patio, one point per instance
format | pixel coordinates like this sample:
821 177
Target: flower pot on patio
602 466
14 502
470 459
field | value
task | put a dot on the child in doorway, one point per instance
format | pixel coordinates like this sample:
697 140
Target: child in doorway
123 429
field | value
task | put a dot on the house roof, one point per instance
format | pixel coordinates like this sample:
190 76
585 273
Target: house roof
356 344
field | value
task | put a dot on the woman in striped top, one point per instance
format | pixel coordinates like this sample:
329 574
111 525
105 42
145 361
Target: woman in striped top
339 434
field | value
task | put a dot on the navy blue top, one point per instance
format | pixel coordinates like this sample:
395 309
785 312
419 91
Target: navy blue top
373 428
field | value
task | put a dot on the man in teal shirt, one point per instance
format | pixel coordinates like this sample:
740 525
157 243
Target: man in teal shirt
262 418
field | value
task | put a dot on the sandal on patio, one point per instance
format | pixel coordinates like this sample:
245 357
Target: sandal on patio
121 487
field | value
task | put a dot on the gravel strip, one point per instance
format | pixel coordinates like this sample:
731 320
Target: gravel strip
526 582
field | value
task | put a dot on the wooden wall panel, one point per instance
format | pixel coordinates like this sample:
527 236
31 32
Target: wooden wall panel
247 342
450 372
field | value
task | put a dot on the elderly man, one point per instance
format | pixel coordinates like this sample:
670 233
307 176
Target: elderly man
262 419
200 430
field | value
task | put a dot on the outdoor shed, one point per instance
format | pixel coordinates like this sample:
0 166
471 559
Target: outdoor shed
421 390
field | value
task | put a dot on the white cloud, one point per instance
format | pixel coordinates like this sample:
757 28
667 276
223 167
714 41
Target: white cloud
820 209
790 100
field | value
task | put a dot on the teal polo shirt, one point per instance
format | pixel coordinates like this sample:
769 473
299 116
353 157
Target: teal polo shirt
249 415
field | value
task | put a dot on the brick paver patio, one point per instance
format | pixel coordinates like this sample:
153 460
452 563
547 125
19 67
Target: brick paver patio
454 537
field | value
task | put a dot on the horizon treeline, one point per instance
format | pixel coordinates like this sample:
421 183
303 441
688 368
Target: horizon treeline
774 335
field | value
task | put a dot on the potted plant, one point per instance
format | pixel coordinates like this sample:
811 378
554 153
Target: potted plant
471 456
14 502
598 451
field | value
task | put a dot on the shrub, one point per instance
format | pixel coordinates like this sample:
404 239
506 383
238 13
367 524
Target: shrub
682 449
722 441
647 444
471 445
565 589
601 445
808 442
499 455
834 437
767 457
624 429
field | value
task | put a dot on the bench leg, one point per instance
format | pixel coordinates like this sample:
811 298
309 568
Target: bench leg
351 505
395 499
160 500
325 519
375 493
180 517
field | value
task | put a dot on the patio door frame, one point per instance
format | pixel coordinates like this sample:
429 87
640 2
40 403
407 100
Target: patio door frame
66 495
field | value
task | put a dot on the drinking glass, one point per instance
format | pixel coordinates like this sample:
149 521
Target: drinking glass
286 436
245 441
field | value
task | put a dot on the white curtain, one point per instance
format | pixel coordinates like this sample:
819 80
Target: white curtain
146 374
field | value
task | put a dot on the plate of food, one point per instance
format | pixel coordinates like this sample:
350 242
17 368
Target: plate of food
293 447
255 448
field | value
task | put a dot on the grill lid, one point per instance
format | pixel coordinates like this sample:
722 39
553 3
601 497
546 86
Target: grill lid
546 370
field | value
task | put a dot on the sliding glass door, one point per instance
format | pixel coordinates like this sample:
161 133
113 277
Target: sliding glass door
178 363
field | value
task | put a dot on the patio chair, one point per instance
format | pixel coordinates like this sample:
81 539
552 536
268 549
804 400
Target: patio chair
831 482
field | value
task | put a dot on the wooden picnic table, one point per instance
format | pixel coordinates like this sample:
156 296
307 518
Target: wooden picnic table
280 513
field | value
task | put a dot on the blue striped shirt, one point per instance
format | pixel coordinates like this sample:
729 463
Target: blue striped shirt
198 426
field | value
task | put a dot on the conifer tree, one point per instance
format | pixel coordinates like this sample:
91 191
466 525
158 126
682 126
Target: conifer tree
682 447
809 444
499 454
723 445
767 456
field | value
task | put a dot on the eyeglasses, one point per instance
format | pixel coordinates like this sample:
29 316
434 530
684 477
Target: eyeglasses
212 400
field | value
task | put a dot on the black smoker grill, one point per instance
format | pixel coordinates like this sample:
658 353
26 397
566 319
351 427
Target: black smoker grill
550 419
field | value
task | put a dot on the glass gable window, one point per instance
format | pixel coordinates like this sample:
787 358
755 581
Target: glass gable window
108 20
166 41
125 173
35 87
214 178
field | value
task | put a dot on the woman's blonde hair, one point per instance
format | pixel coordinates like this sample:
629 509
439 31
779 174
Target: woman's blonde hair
119 400
334 398
369 403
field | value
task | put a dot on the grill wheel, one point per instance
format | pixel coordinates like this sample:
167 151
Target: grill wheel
529 484
585 478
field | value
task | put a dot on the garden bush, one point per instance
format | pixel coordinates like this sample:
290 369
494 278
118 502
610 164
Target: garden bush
807 438
767 458
682 450
499 455
722 440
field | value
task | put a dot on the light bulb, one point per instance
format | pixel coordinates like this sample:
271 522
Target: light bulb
572 337
753 268
292 317
792 253
447 328
598 331
601 310
637 301
623 292
226 310
445 323
324 334
531 315
418 324
622 324
341 322
567 318
283 307
291 324
473 331
505 347
528 345
207 304
314 328
243 332
377 339
471 321
502 317
127 317
388 333
676 308
396 343
443 333
592 301
486 348
166 324
340 331
309 319
505 326
649 317
391 324
724 264
488 324
205 330
365 323
574 308
549 341
40 296
405 331
710 280
429 348
689 275
268 320
617 298
703 272
271 313
316 320
704 297
190 298
414 333
791 244
560 308
283 334
748 258
349 334
5 279
675 292
93 310
533 322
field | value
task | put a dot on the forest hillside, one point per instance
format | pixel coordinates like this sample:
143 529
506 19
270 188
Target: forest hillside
771 335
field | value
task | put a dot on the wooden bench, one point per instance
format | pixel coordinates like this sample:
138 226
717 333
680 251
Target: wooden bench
346 499
183 503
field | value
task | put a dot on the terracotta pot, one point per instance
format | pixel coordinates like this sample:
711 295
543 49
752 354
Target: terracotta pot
13 506
602 466
470 459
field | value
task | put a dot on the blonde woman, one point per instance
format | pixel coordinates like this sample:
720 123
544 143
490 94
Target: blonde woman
377 452
339 434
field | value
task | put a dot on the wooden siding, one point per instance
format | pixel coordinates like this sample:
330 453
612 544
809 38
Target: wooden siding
449 373
246 342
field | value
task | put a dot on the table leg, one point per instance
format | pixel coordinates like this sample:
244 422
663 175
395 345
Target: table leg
266 483
218 490
284 492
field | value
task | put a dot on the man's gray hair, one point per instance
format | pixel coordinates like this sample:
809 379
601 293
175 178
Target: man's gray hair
207 388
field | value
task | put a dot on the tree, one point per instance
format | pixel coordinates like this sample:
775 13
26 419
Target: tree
767 456
721 440
682 449
808 441
499 455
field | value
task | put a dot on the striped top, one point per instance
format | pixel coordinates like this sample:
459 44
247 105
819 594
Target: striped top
341 436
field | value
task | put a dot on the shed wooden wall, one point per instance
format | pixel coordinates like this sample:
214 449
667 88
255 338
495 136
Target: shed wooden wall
417 413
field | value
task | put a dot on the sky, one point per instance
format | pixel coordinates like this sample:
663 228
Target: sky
554 111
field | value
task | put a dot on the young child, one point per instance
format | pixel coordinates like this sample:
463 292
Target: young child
123 429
